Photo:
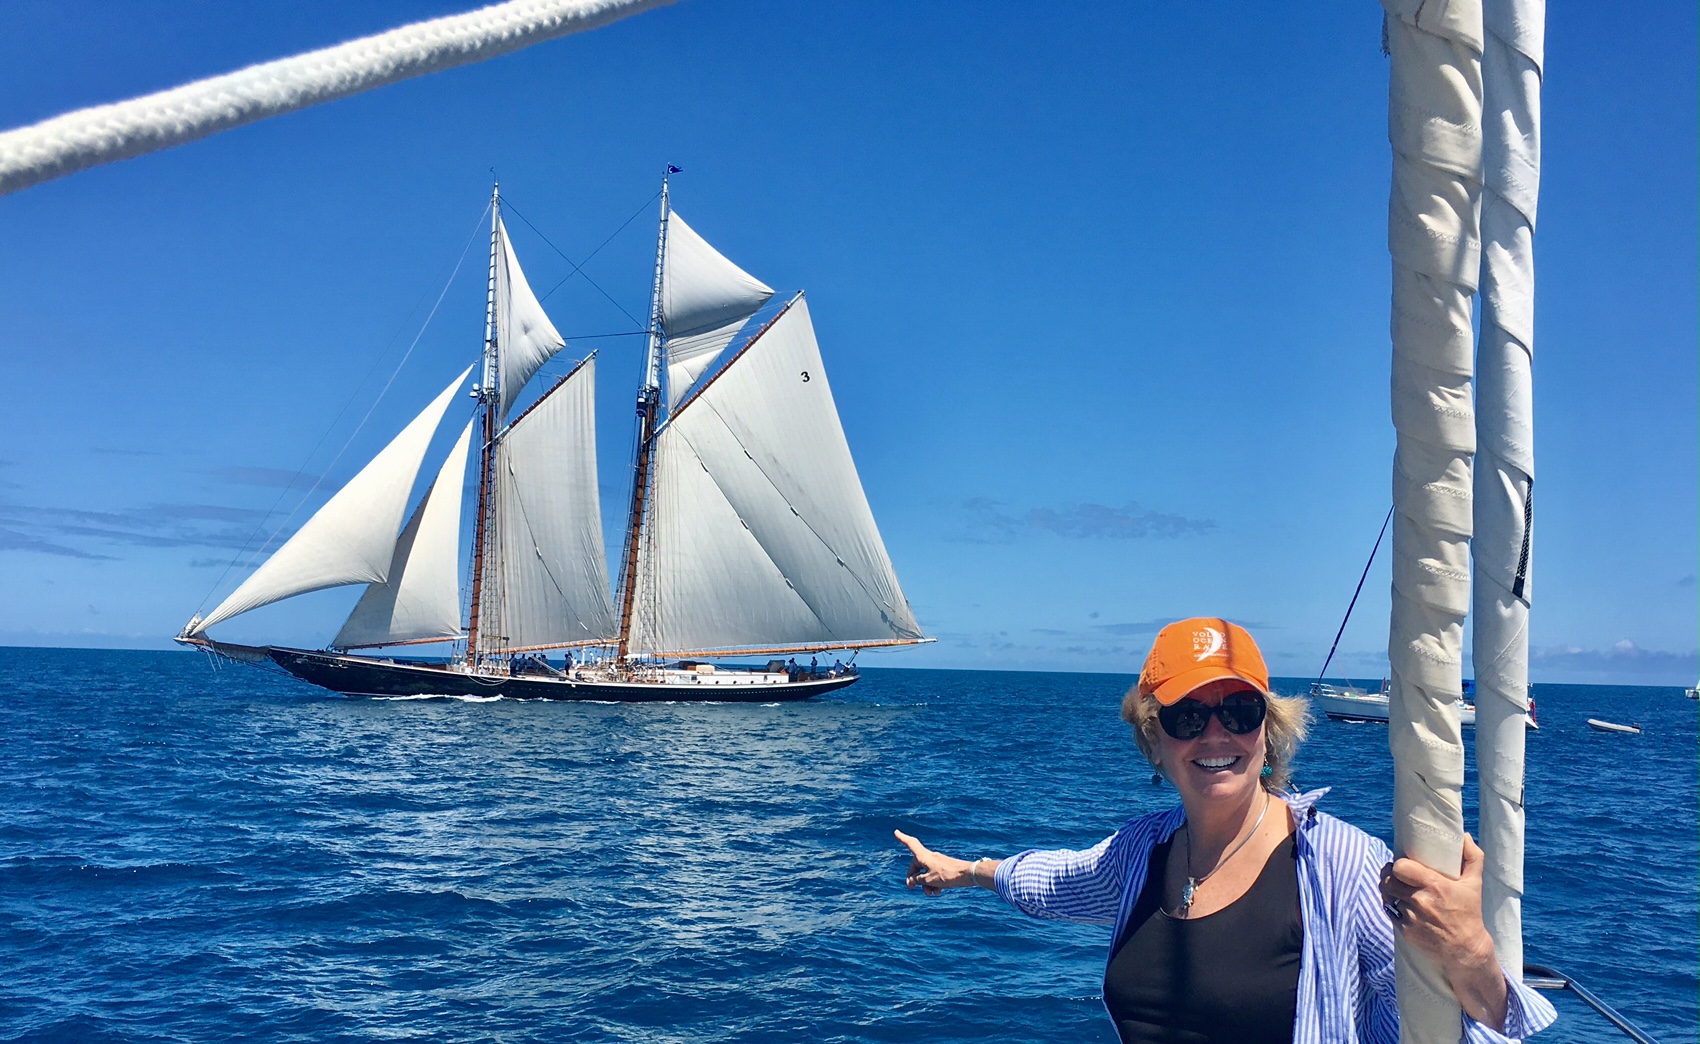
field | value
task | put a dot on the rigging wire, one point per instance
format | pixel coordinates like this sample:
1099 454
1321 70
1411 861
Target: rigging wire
577 267
599 246
1355 594
476 228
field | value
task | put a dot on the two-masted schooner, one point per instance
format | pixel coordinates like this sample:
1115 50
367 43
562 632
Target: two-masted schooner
748 535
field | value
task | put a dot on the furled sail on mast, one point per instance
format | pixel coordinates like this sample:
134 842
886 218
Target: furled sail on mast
524 334
421 599
1505 455
760 535
705 301
547 544
350 540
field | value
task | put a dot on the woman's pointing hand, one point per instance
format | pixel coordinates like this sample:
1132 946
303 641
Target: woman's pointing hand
935 871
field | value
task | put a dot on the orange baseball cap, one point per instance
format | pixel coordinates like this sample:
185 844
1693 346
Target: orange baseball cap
1190 653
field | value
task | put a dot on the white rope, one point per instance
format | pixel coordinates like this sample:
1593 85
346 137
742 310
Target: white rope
108 133
1505 463
1434 124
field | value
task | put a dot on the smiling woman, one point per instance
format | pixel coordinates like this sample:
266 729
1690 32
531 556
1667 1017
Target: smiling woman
1245 914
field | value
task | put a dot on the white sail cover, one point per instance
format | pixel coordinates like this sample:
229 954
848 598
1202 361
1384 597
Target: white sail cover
525 338
547 556
759 534
1434 125
421 598
705 300
1505 455
352 538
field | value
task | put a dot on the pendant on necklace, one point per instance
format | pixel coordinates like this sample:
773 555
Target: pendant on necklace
1187 894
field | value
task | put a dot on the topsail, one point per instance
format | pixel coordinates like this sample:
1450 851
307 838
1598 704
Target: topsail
705 301
525 337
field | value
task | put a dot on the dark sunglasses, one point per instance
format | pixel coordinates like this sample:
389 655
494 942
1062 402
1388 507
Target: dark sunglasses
1239 713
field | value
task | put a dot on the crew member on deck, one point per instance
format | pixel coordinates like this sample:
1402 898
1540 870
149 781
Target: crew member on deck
1245 914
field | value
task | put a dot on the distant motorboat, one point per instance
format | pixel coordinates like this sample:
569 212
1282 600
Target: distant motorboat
1346 703
1349 703
1611 726
1694 693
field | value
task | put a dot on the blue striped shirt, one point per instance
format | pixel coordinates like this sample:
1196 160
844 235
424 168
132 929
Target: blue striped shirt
1346 970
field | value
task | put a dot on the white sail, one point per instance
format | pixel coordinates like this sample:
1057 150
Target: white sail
1434 126
1505 454
546 554
705 299
421 598
525 338
689 355
352 538
760 535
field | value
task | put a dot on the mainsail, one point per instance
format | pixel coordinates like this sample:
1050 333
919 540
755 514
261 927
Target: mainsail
421 599
547 546
759 535
705 301
526 337
351 540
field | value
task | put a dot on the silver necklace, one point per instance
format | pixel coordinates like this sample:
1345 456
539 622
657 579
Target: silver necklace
1192 882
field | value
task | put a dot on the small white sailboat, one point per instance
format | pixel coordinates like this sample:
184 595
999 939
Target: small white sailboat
748 534
1611 726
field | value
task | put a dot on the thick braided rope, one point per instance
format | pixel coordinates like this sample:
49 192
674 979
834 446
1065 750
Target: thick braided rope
1434 125
106 133
1505 453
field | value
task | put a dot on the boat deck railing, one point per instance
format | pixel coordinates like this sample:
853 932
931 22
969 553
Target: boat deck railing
1541 977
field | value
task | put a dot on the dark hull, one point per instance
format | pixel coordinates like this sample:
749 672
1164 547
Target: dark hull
360 676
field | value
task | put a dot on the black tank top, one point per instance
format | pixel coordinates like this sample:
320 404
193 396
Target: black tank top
1231 976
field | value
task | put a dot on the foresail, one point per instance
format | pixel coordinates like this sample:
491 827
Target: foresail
525 338
352 538
421 598
704 300
548 552
760 534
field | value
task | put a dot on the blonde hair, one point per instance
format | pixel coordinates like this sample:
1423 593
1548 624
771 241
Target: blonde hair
1284 728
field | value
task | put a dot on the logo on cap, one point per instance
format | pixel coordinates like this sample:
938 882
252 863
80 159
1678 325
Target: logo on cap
1206 642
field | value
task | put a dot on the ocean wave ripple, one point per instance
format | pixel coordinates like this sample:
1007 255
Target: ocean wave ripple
187 855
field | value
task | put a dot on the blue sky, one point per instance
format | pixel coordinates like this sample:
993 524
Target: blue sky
1103 293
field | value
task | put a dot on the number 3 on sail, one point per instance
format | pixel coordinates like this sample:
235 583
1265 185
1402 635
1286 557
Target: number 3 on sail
748 533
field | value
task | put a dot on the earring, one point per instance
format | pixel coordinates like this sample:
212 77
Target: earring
1267 771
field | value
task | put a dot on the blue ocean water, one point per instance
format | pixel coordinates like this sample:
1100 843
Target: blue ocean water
192 855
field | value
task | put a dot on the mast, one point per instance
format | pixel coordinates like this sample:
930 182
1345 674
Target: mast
1434 222
487 392
648 411
1505 451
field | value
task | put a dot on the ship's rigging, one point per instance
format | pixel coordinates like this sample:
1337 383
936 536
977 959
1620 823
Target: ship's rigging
747 530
